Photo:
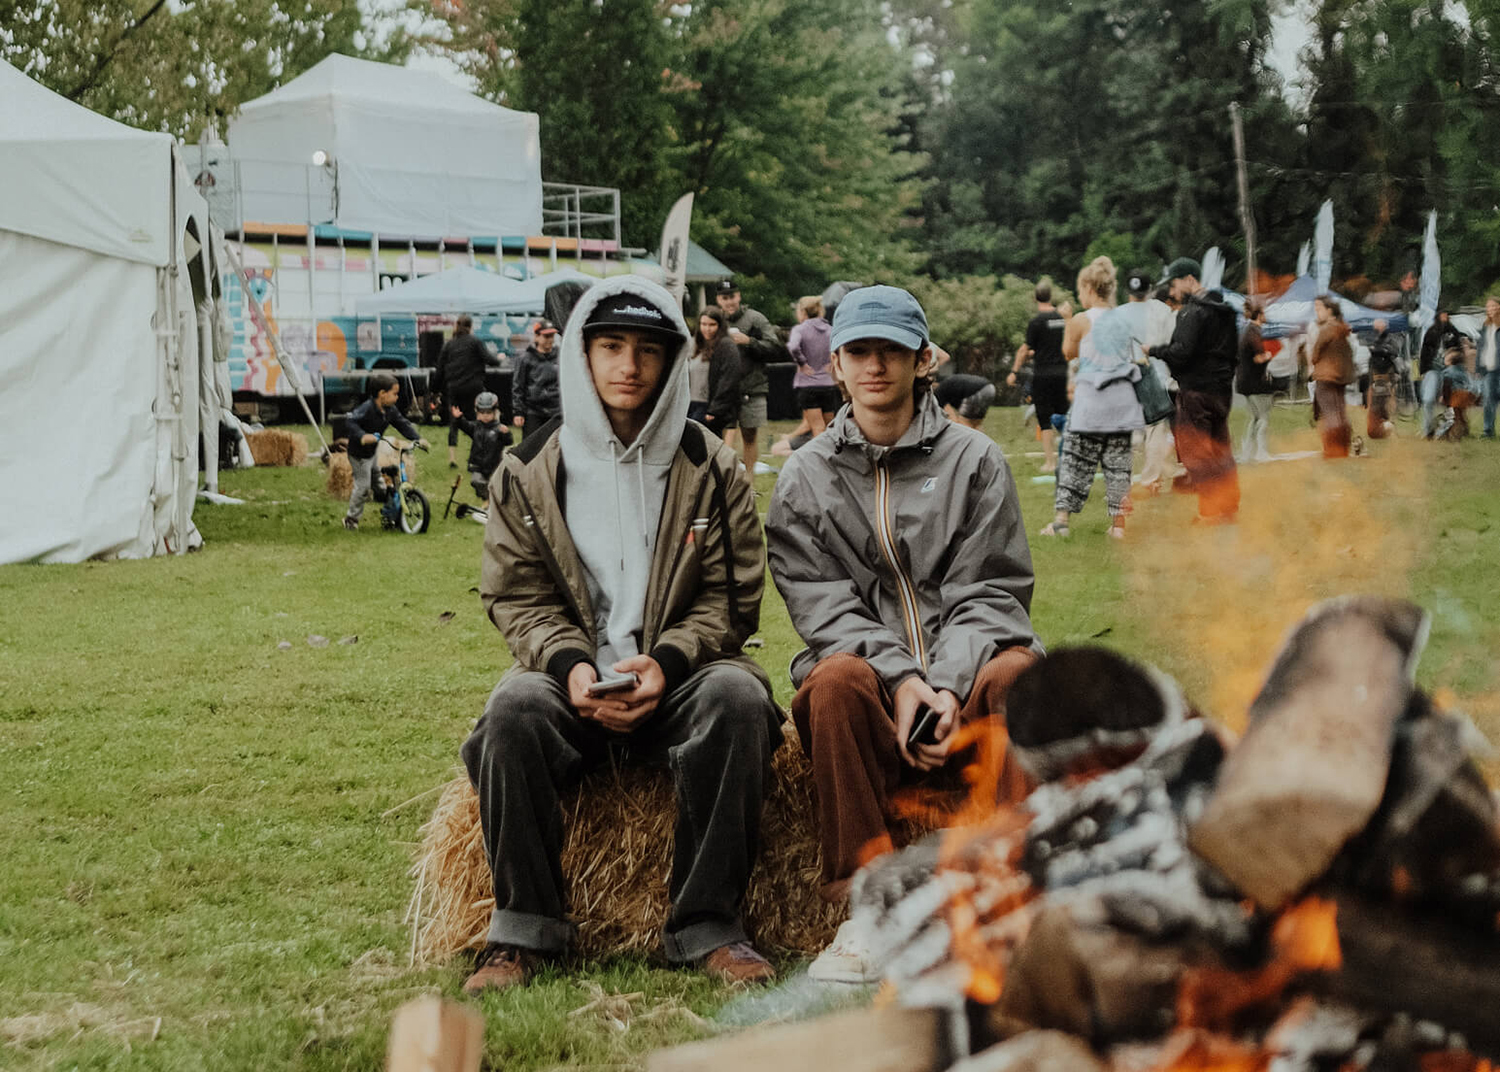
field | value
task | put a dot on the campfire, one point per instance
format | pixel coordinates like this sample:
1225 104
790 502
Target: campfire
1322 894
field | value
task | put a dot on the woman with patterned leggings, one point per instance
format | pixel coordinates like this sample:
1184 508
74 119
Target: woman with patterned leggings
1104 411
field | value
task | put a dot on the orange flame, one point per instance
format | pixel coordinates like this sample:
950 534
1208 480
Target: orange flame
1305 939
1197 1051
1453 1061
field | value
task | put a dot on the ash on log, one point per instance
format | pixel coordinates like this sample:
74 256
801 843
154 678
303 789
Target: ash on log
1311 770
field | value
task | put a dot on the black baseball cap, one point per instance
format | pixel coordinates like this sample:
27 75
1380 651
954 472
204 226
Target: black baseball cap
631 311
727 286
1139 281
1182 266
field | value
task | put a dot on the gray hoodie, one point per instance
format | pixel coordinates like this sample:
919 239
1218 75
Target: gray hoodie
912 556
612 494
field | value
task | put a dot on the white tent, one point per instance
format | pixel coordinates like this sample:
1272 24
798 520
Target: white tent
457 290
105 302
407 153
530 296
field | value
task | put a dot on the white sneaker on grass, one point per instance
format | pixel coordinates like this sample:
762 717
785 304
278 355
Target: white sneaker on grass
849 958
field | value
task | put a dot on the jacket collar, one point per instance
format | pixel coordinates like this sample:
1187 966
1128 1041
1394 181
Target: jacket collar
922 434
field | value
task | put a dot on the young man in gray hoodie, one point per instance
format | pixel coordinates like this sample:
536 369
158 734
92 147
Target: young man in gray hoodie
896 541
623 563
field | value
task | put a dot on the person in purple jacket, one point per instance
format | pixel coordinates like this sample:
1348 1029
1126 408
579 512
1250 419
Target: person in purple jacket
817 397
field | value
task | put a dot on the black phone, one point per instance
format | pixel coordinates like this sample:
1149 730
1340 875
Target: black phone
923 727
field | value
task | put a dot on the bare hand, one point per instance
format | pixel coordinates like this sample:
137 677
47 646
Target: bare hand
368 440
623 711
579 679
1011 379
456 411
738 336
911 694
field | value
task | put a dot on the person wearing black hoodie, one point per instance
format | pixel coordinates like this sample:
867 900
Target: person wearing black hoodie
1202 357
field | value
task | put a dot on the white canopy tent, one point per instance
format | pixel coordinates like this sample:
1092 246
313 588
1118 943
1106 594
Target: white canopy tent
457 290
406 152
106 280
530 295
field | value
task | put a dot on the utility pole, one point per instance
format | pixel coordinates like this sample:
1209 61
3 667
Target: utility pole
1247 220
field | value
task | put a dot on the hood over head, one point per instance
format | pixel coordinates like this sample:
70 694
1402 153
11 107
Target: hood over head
586 427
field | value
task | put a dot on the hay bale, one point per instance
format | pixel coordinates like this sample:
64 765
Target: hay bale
617 857
340 476
341 480
273 446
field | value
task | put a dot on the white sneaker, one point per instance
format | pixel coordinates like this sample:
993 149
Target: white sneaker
848 959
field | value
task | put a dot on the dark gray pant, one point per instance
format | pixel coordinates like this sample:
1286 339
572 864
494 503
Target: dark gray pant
715 733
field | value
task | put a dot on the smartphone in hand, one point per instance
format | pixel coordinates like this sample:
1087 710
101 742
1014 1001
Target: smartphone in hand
923 727
614 684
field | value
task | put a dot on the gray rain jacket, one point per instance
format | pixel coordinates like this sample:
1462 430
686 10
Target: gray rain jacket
913 557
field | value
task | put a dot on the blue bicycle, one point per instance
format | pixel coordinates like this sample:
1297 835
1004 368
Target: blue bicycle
405 507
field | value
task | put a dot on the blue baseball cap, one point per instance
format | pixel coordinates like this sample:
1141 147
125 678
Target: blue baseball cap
879 313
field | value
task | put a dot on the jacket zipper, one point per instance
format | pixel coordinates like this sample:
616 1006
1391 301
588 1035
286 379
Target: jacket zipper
904 587
552 564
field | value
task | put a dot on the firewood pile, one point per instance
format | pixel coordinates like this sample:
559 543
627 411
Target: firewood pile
1322 894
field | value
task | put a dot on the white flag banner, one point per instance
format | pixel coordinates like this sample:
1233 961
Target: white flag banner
1304 259
1213 269
1432 277
1322 265
674 246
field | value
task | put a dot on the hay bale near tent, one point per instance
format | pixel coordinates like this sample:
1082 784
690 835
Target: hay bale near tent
617 856
276 447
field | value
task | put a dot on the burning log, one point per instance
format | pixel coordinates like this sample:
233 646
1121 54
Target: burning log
1311 770
1430 969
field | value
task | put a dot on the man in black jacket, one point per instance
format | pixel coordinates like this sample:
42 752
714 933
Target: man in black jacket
460 375
534 397
1202 356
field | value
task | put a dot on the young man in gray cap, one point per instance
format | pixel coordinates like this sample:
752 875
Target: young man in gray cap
896 541
1202 355
623 564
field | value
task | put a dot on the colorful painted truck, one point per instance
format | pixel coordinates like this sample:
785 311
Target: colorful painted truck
307 291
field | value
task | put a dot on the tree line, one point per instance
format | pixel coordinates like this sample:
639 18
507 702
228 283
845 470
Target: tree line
947 144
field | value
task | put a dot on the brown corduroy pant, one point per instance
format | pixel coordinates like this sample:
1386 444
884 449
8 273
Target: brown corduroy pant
844 717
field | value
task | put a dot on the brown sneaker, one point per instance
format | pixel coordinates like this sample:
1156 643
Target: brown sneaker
501 967
738 962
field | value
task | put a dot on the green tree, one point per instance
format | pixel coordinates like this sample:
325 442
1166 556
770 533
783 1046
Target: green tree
180 67
1064 125
781 117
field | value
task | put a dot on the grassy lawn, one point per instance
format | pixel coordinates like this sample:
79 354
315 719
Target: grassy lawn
207 836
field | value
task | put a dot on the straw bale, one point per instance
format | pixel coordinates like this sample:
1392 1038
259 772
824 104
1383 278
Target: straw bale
274 446
617 857
341 479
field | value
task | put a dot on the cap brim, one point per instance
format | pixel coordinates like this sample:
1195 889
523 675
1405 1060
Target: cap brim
854 332
634 325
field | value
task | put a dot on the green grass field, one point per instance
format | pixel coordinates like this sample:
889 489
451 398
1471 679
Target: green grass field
208 837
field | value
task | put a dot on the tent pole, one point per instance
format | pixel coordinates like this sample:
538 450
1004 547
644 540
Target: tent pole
287 368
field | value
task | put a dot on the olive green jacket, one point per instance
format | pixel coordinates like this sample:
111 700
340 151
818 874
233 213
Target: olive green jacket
532 580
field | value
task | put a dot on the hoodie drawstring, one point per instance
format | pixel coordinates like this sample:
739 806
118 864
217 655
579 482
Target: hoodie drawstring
640 487
614 459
